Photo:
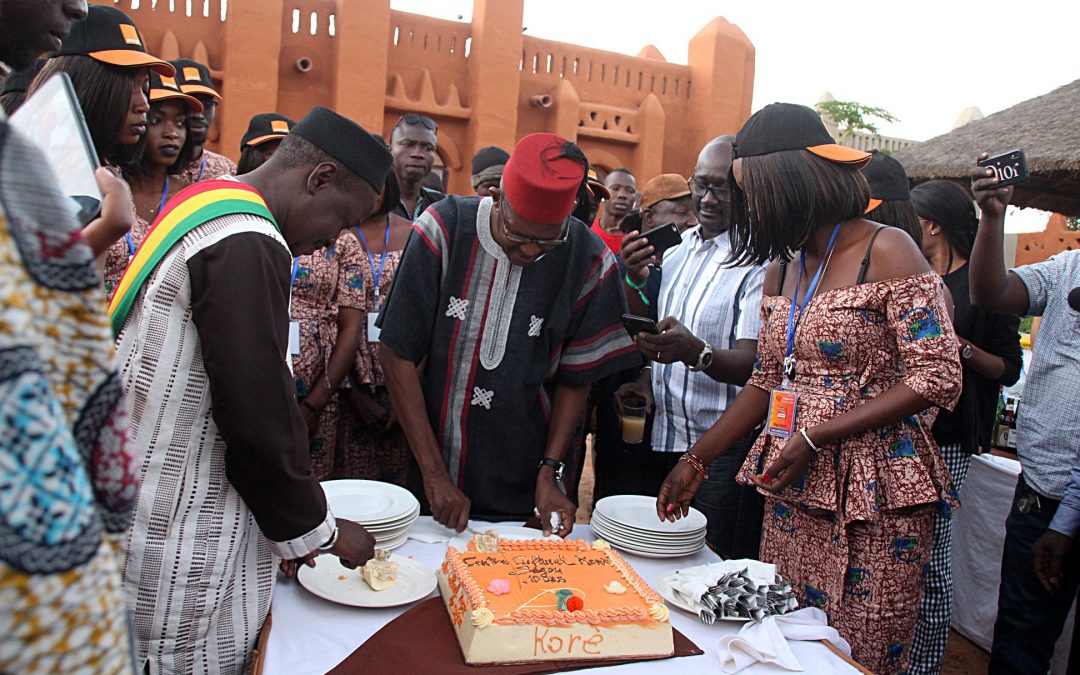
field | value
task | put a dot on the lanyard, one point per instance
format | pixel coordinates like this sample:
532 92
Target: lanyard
376 275
793 323
202 168
161 205
295 270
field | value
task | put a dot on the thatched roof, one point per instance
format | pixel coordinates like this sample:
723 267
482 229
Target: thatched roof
1046 127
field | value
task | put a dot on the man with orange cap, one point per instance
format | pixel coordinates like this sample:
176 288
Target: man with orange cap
514 309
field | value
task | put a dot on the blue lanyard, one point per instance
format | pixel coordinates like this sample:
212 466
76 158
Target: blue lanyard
295 270
376 275
202 168
793 323
161 205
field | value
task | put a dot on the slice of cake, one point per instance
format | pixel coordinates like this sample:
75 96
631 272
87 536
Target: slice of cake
380 572
539 600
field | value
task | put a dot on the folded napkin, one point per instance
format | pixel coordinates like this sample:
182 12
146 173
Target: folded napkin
426 531
690 584
766 641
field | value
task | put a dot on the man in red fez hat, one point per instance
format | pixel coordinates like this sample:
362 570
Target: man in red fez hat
513 309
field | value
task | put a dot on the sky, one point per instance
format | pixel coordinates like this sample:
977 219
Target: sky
924 62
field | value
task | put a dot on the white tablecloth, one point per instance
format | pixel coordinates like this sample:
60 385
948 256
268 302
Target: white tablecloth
978 539
312 635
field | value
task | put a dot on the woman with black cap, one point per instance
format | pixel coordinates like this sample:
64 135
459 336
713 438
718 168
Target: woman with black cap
264 134
991 356
853 346
107 62
153 178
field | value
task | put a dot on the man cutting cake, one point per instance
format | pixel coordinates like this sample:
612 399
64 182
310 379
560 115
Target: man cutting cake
503 311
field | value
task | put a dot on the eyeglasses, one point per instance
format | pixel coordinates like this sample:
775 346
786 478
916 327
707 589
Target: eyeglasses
521 240
721 193
417 118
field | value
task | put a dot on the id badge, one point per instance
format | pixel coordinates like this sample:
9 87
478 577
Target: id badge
373 331
294 337
782 408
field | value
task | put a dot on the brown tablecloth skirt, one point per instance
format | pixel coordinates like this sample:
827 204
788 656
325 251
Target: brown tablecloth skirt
422 641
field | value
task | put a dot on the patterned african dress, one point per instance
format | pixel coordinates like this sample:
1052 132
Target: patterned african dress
497 340
364 452
208 166
854 532
66 480
325 280
120 253
227 489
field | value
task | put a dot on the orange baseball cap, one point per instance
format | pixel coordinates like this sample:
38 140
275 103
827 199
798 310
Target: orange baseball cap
787 126
110 36
665 186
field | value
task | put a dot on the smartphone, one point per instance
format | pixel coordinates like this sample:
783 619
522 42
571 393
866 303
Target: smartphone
639 324
1009 167
631 222
662 238
53 119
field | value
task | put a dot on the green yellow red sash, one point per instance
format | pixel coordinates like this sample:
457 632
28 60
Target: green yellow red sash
190 208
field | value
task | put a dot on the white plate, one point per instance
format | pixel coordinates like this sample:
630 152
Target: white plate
639 512
369 502
414 582
653 551
511 532
398 524
639 542
391 543
646 536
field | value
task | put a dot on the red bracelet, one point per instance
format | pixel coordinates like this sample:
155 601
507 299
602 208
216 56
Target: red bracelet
696 464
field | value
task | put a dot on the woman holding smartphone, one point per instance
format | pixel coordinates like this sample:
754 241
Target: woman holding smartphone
854 344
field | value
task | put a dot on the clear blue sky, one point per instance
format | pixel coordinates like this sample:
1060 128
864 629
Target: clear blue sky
925 61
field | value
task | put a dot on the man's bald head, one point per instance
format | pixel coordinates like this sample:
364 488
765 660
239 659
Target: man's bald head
711 178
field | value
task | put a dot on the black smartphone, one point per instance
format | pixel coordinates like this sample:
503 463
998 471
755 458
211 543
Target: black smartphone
639 324
1009 167
662 238
631 222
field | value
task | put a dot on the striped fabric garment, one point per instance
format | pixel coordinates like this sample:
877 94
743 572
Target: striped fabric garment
717 304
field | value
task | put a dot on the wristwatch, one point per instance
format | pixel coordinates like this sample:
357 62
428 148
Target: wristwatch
555 464
704 359
966 352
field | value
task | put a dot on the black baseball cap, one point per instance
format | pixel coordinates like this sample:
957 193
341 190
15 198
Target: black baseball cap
165 88
266 127
361 152
596 186
887 179
110 36
787 126
194 78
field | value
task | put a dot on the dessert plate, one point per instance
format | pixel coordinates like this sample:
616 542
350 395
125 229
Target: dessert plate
331 581
369 502
639 513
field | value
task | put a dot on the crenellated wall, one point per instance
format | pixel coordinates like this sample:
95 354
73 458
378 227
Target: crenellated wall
485 83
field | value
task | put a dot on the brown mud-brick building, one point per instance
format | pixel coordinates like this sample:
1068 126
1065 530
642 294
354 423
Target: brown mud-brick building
485 83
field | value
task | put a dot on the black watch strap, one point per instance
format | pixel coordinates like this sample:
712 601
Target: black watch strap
554 464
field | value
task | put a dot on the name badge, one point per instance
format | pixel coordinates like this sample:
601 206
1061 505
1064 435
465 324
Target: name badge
373 331
782 410
294 337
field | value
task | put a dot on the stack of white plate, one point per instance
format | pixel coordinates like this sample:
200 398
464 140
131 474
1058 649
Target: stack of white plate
386 511
630 523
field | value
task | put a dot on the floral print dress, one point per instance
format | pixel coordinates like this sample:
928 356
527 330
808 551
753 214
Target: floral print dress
325 281
853 533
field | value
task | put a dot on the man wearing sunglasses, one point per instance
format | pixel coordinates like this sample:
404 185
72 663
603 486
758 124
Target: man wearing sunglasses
504 310
412 144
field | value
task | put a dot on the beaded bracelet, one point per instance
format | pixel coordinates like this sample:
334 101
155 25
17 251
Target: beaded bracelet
637 287
696 464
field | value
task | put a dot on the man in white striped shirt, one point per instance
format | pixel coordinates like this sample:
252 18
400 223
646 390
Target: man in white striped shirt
705 350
